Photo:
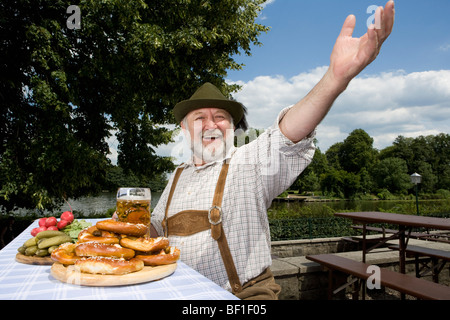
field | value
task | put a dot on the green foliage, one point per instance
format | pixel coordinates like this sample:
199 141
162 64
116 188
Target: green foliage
392 174
64 90
353 169
282 211
443 194
384 194
357 152
116 177
341 183
309 228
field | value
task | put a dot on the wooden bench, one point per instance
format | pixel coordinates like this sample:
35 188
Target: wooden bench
374 240
381 230
381 237
434 254
419 288
438 236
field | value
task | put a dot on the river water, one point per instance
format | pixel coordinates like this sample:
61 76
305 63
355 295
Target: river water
107 200
100 203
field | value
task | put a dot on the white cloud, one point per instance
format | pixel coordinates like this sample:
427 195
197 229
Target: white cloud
385 105
262 16
266 3
445 47
265 96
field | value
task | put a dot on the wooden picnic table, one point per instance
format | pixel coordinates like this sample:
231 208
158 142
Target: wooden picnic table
404 222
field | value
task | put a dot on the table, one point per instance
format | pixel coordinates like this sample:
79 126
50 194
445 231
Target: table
32 282
403 221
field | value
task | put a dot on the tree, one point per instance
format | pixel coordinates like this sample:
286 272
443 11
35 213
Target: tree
366 181
441 164
354 167
429 179
340 183
357 151
392 174
429 156
351 161
309 179
403 150
332 155
64 90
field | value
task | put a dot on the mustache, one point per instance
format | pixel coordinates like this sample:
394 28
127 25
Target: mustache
212 133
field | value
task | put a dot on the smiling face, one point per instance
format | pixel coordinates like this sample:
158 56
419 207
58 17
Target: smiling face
210 132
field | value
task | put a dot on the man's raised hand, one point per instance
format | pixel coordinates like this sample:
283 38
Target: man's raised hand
351 55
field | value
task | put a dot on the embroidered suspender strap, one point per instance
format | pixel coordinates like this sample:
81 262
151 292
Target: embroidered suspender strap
217 233
215 212
172 189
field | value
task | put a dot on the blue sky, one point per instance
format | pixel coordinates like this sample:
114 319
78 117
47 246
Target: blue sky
303 33
406 91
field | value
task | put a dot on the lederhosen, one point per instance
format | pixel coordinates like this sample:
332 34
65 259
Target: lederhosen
188 222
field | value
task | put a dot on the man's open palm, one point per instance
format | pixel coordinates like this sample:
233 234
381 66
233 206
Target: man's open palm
351 55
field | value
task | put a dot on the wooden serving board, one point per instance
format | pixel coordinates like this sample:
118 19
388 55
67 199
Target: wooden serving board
68 274
46 261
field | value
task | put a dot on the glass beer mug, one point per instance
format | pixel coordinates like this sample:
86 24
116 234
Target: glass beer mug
133 205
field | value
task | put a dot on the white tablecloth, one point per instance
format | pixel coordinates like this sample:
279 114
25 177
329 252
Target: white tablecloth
23 281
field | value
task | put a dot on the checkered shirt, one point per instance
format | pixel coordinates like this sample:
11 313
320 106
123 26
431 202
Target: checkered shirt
258 172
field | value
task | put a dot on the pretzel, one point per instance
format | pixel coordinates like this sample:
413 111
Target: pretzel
94 234
131 229
94 249
165 256
108 265
144 244
65 254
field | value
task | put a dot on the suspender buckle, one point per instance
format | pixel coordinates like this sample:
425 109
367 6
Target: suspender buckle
215 223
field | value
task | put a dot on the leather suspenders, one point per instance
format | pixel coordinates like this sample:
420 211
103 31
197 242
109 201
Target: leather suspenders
189 222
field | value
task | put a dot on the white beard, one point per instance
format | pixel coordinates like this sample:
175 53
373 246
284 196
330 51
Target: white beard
214 151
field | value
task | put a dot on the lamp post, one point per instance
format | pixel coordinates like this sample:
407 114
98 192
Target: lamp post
416 179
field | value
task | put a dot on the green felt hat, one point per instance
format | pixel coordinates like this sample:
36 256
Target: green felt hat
209 96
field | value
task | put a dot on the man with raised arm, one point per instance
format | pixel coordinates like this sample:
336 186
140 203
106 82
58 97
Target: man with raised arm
214 208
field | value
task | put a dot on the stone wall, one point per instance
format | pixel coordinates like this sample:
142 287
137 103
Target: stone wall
295 248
